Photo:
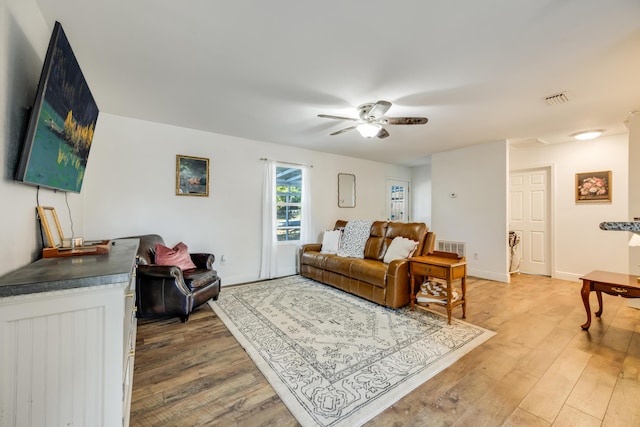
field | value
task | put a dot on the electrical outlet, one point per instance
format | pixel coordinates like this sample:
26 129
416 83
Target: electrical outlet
223 259
475 255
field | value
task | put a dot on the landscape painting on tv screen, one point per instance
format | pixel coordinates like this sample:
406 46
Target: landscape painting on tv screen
61 128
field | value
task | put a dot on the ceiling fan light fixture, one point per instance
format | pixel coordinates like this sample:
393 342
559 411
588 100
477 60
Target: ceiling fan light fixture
588 134
369 130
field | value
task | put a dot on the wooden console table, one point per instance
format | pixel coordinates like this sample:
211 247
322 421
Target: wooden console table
445 266
624 285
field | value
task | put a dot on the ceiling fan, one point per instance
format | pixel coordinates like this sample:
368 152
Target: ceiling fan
372 119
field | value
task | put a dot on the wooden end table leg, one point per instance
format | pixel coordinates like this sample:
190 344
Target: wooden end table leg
449 297
464 297
586 290
600 307
412 297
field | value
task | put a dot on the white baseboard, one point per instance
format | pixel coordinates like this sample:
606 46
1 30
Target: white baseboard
563 275
489 275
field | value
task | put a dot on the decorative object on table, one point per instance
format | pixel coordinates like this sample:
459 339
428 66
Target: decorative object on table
58 245
192 176
48 219
336 359
593 187
101 247
437 292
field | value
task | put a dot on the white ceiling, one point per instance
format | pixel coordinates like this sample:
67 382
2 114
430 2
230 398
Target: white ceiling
479 70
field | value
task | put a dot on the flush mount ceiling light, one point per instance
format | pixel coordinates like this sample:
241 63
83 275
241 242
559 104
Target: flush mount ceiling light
369 130
587 134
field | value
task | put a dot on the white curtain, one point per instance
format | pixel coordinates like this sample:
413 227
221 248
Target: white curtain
268 266
306 233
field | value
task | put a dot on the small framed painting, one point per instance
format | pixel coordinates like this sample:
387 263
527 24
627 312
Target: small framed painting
51 226
593 187
192 176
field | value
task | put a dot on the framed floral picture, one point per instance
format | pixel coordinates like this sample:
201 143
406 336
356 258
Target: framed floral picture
593 187
192 176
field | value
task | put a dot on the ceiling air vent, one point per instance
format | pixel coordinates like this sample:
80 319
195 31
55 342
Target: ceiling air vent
558 98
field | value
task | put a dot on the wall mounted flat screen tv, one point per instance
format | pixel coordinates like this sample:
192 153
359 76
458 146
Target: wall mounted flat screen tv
62 122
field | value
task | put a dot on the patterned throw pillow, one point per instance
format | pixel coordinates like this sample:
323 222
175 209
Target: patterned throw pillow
354 239
178 255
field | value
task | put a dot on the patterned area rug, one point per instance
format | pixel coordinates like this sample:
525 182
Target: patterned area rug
336 359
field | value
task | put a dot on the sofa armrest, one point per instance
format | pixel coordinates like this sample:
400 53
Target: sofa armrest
316 247
398 283
203 260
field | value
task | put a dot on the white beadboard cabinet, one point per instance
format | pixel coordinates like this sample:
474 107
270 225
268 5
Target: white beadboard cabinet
67 340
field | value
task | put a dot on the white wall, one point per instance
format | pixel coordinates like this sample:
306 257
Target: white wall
130 190
579 246
24 37
478 214
634 183
421 194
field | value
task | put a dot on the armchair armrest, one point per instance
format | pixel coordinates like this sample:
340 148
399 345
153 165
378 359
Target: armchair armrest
203 260
160 275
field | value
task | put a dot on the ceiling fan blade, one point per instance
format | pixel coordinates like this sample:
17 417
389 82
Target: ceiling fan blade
405 120
378 109
383 133
338 132
327 116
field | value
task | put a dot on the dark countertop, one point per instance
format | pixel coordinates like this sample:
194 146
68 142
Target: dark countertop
55 274
633 226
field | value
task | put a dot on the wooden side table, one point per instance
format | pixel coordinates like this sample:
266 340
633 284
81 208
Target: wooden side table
624 285
441 265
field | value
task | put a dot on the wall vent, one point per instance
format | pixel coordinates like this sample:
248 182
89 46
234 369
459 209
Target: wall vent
455 247
558 98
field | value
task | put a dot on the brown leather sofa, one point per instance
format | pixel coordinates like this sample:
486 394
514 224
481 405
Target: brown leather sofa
369 278
168 290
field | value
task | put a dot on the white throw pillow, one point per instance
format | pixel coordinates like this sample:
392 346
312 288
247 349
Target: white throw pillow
331 241
399 248
354 239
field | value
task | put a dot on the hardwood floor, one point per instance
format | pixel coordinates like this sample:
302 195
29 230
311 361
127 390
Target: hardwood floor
541 369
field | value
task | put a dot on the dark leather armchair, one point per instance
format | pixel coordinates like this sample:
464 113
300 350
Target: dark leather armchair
168 290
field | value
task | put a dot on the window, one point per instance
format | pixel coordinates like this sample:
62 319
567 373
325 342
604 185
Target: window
397 199
288 203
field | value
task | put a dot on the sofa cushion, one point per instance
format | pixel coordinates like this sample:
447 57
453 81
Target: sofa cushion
337 264
369 271
178 255
410 230
331 241
375 248
354 239
400 248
